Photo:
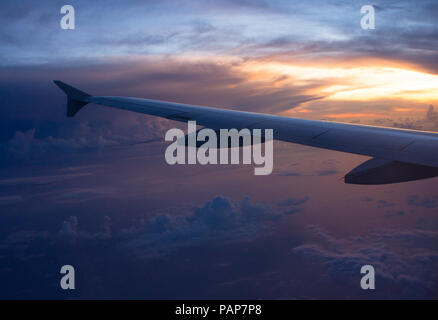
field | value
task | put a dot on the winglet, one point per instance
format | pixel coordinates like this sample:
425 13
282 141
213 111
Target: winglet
76 98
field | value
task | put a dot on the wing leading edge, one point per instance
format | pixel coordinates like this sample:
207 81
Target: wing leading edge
398 154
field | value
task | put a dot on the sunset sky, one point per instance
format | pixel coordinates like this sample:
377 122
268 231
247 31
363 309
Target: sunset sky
95 191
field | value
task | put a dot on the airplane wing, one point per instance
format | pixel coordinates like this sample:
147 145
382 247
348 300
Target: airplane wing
398 155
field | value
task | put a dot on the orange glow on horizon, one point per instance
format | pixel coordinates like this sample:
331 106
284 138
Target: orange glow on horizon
364 88
351 83
350 115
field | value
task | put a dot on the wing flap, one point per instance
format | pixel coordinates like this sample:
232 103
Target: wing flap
382 171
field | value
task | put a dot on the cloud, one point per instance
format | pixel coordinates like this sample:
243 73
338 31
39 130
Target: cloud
323 173
24 238
384 204
328 168
289 174
427 123
84 194
424 202
293 201
69 229
400 258
391 213
387 113
106 227
7 200
238 83
71 233
218 220
432 115
26 145
34 127
269 29
40 180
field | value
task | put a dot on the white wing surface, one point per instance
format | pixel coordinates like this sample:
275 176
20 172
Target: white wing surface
398 155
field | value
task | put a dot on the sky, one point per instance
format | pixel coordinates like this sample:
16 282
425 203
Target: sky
95 192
